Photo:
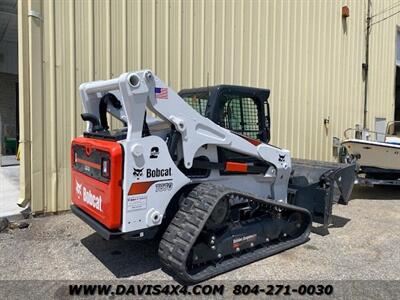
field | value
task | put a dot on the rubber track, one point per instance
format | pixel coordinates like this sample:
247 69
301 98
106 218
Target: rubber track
182 233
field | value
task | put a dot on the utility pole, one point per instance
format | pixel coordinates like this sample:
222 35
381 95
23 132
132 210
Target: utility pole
366 64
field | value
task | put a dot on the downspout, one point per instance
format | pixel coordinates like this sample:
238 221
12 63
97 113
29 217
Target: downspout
24 105
366 64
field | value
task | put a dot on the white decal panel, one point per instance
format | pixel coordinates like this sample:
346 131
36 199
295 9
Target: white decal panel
137 202
151 179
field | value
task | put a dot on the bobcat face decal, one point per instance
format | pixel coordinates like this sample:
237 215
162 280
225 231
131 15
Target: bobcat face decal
137 172
282 158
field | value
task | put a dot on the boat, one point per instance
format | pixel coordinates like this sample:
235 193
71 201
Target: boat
376 154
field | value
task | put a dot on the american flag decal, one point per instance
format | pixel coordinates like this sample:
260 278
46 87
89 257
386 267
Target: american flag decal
161 93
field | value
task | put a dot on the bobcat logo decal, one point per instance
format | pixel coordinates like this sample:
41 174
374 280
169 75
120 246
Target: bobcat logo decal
282 158
78 188
137 172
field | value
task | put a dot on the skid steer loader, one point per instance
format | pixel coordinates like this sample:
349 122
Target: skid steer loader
200 174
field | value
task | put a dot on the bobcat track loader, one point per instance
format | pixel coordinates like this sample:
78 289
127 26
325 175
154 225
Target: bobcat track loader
201 175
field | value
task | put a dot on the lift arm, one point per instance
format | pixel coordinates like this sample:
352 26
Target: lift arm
142 89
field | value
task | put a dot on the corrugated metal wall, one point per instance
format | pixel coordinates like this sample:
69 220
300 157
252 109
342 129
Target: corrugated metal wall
303 51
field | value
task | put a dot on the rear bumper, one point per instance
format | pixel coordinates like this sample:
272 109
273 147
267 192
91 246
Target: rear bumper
97 226
108 234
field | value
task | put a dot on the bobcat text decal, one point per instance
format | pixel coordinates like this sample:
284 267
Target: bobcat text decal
88 197
158 172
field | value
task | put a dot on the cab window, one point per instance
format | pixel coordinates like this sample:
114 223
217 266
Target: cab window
241 115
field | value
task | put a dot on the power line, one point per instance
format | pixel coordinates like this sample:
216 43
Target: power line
381 20
387 9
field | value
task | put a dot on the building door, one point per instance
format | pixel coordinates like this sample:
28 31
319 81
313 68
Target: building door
380 126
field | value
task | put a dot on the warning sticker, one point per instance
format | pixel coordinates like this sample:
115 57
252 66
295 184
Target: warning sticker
137 202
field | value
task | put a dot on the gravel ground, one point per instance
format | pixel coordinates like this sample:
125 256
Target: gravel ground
363 243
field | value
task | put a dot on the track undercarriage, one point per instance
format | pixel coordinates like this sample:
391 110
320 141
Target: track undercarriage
218 229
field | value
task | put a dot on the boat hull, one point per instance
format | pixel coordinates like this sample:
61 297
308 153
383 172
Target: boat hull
375 157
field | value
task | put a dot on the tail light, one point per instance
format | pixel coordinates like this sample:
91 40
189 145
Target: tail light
105 167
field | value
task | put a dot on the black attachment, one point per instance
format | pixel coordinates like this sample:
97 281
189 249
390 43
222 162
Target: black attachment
172 142
92 119
107 98
145 130
316 186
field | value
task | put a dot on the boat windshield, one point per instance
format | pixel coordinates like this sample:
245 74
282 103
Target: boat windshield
393 128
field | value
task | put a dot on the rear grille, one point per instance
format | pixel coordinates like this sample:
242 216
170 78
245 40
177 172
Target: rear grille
89 163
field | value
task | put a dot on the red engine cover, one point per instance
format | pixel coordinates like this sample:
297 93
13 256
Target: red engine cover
99 196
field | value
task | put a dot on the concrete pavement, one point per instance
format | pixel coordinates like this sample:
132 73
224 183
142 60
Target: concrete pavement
363 243
9 190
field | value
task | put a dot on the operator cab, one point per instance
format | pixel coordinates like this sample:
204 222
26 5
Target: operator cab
243 110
